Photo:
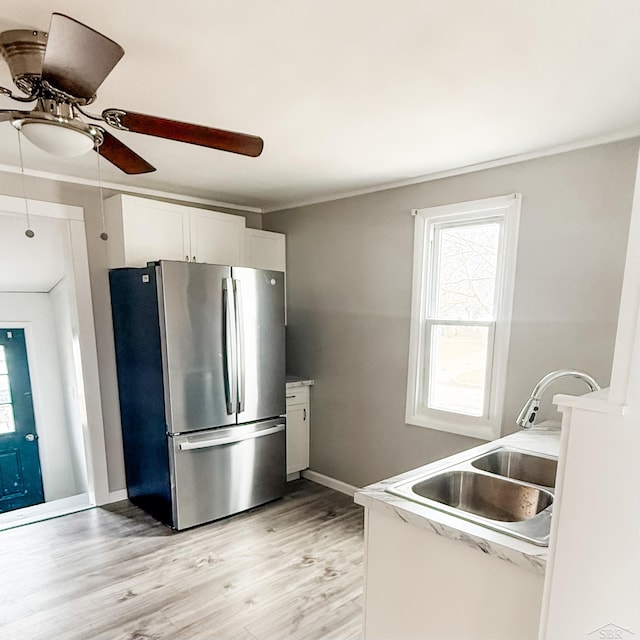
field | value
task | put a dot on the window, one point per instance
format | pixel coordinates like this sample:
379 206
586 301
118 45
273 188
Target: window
463 276
7 421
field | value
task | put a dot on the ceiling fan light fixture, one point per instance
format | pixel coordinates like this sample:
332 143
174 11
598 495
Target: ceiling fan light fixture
59 137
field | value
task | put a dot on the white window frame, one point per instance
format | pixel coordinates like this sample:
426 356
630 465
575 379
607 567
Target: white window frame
507 210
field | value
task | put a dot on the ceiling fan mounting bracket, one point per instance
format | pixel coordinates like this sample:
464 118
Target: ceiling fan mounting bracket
113 118
48 90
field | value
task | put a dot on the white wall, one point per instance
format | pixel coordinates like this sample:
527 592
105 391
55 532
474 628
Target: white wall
35 312
349 293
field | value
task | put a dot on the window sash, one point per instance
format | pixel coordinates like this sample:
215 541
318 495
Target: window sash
424 390
435 231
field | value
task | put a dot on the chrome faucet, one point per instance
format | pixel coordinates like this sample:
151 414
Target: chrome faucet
529 412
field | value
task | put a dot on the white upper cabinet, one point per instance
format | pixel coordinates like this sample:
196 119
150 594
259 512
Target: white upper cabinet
142 230
265 250
217 238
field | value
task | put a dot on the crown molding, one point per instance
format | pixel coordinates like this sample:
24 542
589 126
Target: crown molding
124 188
626 134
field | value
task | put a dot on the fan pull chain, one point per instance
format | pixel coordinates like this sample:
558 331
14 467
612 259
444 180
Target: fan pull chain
29 232
103 235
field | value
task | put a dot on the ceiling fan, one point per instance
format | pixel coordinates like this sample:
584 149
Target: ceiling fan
61 72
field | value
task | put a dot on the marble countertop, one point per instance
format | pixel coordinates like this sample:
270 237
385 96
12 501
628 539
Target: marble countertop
297 381
543 439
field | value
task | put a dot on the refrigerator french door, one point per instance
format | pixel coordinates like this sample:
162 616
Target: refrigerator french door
201 368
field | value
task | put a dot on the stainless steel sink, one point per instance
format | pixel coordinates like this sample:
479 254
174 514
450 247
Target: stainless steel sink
520 466
486 496
505 489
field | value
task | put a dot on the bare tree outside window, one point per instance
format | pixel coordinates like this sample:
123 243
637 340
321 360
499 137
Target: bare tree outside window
466 275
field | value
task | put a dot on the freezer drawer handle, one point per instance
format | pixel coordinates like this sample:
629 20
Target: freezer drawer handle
215 442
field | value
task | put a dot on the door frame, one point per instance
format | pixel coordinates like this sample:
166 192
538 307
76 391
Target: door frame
86 356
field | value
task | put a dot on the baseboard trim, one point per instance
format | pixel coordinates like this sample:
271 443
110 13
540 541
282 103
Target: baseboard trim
117 496
44 511
327 481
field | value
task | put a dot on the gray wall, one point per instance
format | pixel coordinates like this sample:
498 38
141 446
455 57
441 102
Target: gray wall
349 265
89 199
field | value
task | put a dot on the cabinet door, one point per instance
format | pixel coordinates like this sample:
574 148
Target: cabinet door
217 238
265 250
142 230
297 438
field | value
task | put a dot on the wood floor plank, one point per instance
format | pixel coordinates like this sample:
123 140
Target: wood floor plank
291 569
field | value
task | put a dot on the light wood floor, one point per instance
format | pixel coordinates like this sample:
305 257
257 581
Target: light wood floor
289 570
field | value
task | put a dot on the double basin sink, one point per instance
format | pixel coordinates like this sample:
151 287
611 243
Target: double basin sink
505 489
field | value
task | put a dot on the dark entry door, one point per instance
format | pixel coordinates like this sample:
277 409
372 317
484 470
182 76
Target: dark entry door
20 476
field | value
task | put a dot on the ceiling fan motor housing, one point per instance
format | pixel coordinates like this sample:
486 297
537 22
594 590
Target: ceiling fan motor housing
23 51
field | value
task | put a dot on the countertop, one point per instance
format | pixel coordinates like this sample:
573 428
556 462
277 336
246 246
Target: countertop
297 381
544 439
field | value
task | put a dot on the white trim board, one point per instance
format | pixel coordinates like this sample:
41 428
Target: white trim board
124 188
89 402
45 511
327 481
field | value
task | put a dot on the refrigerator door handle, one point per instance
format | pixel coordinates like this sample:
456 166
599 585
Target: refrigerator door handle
220 440
230 345
240 341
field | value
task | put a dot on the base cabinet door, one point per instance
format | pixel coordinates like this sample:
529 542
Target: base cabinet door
297 438
297 429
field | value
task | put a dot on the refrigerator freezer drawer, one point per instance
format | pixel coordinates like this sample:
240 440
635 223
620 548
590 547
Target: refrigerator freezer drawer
219 472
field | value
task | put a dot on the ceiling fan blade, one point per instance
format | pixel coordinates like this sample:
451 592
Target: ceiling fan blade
77 58
122 156
241 143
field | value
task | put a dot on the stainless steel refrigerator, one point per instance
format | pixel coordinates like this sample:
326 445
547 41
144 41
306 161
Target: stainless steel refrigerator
201 378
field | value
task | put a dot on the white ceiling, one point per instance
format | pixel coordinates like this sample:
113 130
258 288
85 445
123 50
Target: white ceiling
350 94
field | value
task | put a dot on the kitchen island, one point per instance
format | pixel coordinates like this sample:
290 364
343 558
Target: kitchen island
430 574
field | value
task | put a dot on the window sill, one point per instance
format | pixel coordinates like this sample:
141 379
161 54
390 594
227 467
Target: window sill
471 429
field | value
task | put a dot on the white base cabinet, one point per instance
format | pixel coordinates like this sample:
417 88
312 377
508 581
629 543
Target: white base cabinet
297 429
422 585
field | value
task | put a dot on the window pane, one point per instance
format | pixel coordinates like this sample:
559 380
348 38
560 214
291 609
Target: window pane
7 423
5 390
457 369
466 272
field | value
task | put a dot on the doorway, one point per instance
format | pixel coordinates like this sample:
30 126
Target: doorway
45 304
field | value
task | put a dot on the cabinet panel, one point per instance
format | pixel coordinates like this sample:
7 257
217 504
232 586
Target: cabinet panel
265 250
297 438
141 230
217 238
